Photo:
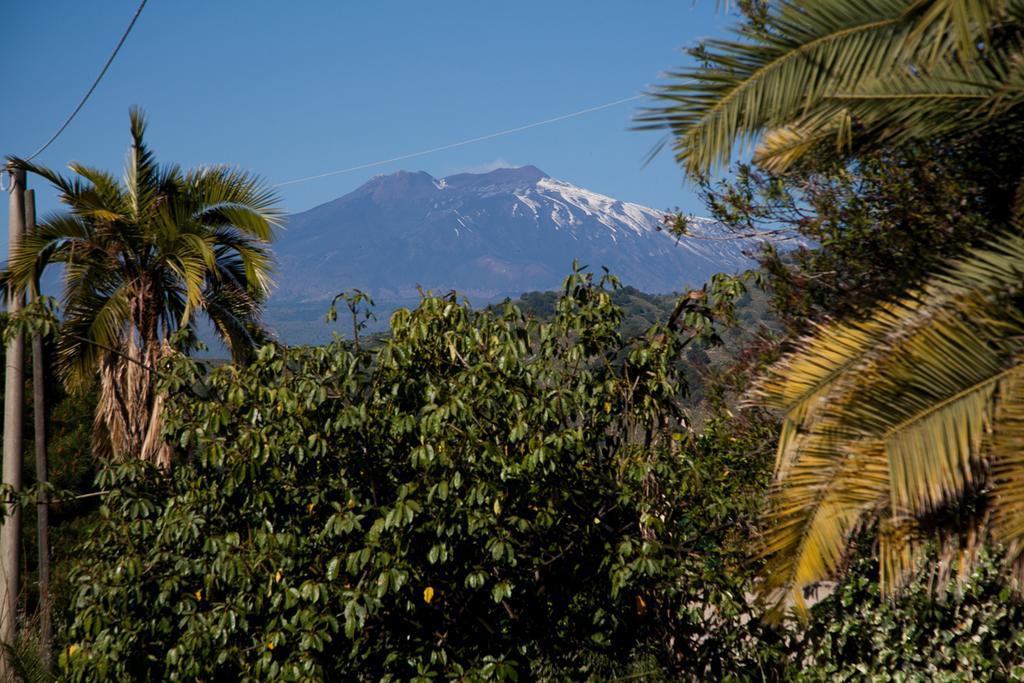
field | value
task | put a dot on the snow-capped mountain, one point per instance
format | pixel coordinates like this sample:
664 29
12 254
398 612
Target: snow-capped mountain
486 235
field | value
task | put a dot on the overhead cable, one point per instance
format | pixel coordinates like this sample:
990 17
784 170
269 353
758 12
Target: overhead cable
462 143
93 86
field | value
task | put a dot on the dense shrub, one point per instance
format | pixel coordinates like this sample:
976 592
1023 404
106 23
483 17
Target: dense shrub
971 632
481 496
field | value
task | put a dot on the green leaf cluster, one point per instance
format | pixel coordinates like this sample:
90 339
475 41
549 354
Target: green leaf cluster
968 634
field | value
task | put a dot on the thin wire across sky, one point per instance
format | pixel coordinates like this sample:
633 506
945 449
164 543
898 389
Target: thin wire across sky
462 143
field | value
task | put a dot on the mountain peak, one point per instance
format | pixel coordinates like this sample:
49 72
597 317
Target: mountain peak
399 185
528 172
503 177
418 184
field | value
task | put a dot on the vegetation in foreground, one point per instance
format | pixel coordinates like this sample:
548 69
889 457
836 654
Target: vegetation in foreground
481 496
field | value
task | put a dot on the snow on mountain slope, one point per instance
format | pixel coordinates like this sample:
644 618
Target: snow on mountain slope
487 235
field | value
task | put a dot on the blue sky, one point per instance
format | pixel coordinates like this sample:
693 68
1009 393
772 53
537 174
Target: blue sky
289 90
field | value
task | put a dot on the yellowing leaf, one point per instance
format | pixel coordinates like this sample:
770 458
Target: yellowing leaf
277 576
641 605
428 594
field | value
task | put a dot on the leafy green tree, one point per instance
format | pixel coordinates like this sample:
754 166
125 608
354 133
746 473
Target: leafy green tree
480 496
141 258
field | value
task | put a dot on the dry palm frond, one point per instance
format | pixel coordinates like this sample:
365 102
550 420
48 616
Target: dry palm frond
781 148
900 419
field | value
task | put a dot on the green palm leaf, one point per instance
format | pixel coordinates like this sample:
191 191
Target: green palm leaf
841 74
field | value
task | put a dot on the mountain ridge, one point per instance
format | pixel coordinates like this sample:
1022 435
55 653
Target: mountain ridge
487 235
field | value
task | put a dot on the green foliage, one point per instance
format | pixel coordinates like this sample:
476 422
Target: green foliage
640 310
39 316
970 632
25 655
723 317
360 308
483 496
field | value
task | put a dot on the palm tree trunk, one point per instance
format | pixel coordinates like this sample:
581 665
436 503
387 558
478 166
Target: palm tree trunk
130 408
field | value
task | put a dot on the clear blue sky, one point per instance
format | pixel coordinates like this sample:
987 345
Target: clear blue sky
294 89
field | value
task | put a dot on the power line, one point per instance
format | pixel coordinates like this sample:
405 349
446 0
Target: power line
462 143
94 83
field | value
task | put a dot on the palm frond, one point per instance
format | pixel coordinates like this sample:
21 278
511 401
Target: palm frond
188 263
94 323
767 78
962 25
890 70
804 382
224 196
783 147
141 169
104 197
40 246
826 495
235 317
923 384
1007 463
67 186
252 255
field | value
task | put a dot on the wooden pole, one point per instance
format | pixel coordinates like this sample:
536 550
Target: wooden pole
14 396
42 467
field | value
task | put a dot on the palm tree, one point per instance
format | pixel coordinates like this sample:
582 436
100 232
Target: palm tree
142 256
911 422
845 77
